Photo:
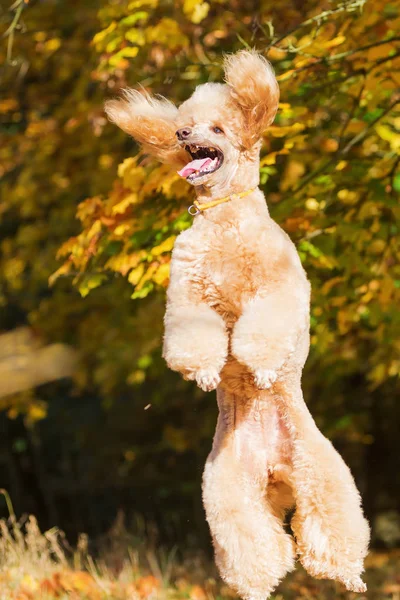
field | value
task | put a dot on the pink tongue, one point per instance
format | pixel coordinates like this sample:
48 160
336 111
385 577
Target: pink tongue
193 166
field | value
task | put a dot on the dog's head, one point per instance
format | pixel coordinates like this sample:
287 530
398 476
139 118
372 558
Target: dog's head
213 129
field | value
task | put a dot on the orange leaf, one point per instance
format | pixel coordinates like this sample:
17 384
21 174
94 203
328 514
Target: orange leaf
147 586
197 593
49 587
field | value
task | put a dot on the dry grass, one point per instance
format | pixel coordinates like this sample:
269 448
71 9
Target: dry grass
42 566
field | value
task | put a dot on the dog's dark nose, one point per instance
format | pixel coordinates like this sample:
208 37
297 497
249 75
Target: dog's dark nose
183 134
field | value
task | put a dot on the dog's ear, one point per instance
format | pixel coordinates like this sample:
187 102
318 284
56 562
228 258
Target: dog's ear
254 89
151 121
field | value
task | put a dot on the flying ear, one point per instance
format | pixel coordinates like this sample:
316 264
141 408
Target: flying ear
151 121
254 89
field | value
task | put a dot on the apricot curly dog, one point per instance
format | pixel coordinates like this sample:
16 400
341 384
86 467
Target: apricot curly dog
237 320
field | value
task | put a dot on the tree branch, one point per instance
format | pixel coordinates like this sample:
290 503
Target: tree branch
355 140
350 6
329 59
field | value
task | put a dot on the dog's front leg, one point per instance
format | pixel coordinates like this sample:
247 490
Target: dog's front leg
195 338
267 332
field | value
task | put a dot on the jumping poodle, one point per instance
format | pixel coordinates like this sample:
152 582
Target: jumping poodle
237 320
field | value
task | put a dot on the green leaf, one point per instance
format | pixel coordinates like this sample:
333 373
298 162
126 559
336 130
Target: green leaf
141 15
91 282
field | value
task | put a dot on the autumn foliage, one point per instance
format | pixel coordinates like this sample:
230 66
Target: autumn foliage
87 225
330 164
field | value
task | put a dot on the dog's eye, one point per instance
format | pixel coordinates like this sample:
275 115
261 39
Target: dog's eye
217 129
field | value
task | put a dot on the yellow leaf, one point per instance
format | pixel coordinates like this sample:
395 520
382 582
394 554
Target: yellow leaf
312 204
337 41
129 52
389 135
100 37
394 368
135 4
328 285
120 230
378 374
161 276
165 246
91 282
52 45
330 145
121 207
195 10
132 175
343 321
276 53
270 159
8 105
88 207
294 170
135 276
37 411
63 270
378 52
126 164
284 76
339 300
148 276
122 263
278 132
135 36
168 33
377 247
347 196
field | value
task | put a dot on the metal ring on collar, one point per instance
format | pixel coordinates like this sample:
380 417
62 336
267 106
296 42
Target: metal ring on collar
193 210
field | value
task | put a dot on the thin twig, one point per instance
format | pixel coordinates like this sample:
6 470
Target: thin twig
328 59
340 55
351 114
9 33
357 138
8 502
344 7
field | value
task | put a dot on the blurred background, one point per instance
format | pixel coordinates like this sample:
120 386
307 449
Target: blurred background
92 423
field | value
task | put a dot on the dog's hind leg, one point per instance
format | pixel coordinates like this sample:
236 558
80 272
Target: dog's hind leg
252 550
331 532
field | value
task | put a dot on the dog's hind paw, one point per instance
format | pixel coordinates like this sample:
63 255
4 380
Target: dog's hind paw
265 378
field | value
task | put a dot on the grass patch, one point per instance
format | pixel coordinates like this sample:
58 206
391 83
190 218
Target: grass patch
37 565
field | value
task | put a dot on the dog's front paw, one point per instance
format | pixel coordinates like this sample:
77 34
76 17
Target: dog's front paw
265 378
355 585
206 379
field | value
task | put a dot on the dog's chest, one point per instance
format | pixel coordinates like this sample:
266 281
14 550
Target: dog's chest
232 271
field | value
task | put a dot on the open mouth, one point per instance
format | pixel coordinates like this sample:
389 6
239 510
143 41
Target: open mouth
205 160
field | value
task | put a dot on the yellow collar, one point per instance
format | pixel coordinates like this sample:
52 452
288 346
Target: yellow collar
196 208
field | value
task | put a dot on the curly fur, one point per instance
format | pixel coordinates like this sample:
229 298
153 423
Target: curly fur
150 120
254 89
237 319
